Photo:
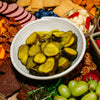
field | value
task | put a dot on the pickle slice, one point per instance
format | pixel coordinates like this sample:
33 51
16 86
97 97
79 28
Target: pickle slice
70 51
51 50
59 34
47 66
30 64
63 63
39 58
32 39
23 53
34 49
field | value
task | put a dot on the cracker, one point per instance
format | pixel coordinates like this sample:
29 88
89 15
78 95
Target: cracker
65 6
34 9
60 10
78 7
51 3
28 8
37 4
69 4
23 3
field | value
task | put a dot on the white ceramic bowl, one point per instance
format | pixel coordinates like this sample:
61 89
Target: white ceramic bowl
46 24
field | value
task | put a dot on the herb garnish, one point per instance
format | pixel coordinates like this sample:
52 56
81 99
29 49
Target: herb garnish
50 92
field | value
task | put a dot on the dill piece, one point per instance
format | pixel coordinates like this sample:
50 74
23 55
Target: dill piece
51 91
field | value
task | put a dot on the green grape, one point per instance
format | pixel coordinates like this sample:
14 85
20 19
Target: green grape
72 99
58 97
99 98
64 91
80 88
83 82
98 90
92 85
90 96
72 84
99 83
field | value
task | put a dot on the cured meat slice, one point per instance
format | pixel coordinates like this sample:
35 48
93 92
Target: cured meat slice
32 19
1 3
16 13
25 13
11 7
26 18
4 7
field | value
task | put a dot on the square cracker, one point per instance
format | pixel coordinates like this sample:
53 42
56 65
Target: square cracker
68 3
78 7
65 6
23 3
29 8
51 3
60 10
37 4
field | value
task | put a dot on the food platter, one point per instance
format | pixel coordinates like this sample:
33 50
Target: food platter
16 15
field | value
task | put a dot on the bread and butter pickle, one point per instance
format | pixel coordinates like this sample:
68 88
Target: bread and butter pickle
48 53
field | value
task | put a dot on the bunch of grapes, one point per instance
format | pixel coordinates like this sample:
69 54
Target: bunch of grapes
42 13
79 90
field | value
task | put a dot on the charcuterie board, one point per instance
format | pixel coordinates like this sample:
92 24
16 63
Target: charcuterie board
16 14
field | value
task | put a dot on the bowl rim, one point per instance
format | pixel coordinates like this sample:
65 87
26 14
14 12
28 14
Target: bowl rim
95 21
56 75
